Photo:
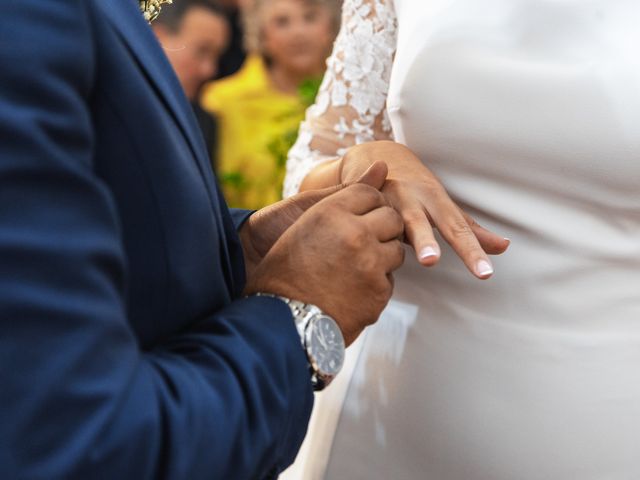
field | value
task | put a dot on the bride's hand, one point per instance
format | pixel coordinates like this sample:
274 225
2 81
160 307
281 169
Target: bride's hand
423 203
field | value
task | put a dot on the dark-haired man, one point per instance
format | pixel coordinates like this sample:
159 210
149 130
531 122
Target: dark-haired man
193 34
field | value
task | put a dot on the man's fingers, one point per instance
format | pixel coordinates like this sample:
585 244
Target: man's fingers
308 199
391 255
386 223
358 199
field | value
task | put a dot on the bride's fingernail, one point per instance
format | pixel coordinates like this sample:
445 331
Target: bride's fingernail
428 252
483 268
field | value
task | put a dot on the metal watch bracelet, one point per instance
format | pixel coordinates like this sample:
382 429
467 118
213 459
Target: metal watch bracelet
302 313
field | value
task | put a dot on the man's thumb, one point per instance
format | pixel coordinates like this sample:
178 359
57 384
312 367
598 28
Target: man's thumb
375 176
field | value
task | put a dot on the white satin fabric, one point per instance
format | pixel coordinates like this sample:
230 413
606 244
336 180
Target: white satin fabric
529 113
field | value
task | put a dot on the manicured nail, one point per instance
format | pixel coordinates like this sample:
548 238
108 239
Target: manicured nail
483 268
428 252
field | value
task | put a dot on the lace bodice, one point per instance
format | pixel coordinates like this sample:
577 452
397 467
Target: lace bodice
350 106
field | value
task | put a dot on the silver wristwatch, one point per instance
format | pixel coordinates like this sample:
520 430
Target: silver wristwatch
321 339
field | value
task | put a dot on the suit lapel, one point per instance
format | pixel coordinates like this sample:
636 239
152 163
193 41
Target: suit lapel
127 20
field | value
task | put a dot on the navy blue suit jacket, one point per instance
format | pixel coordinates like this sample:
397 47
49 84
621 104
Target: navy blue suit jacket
126 350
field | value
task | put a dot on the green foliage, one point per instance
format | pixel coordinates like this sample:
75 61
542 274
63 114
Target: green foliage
308 91
233 179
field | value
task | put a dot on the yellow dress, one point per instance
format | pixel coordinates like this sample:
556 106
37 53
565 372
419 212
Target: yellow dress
258 125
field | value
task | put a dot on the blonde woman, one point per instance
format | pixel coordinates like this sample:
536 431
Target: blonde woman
261 106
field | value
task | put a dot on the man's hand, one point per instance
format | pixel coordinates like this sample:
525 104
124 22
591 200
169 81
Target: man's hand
264 227
338 255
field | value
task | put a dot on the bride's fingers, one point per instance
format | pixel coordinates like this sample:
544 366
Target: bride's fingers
455 229
432 207
490 242
419 234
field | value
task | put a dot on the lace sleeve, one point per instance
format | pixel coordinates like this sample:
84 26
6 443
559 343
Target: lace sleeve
350 106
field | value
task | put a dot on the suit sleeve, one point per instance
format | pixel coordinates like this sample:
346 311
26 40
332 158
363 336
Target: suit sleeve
227 399
239 216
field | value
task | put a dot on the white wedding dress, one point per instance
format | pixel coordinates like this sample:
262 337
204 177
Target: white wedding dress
529 113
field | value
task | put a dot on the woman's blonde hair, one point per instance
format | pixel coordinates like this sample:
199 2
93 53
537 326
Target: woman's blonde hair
251 13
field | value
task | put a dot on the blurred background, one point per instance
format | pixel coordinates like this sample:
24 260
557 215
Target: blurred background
250 68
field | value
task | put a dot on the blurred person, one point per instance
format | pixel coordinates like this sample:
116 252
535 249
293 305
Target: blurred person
235 53
194 35
262 105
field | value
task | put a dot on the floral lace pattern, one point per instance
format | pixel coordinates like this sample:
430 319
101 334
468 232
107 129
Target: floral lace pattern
350 106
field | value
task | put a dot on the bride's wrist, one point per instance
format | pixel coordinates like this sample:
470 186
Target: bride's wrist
353 164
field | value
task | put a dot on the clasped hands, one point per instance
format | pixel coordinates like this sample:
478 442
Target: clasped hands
337 247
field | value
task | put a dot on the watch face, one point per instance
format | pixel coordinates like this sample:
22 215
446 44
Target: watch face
326 345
